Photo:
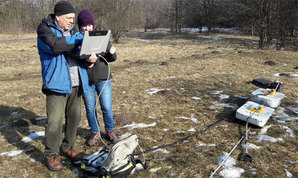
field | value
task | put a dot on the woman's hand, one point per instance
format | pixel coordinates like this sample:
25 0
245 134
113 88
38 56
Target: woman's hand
112 50
92 58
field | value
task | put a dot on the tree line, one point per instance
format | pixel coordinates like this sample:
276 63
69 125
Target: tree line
275 22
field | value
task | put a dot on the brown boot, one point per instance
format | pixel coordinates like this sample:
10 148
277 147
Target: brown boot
53 162
111 136
73 154
93 138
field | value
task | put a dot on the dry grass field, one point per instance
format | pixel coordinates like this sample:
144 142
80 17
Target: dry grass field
198 80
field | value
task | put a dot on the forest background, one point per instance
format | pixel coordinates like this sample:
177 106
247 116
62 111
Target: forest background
274 22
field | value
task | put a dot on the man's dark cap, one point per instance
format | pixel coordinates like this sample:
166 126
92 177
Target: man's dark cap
63 7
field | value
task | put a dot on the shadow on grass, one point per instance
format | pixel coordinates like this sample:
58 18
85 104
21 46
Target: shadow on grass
17 123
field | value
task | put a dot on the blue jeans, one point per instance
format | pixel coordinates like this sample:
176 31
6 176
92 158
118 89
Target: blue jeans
105 100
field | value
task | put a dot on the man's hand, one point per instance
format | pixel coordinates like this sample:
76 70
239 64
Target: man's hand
92 58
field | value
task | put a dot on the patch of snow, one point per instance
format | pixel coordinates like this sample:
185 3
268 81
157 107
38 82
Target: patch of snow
221 95
123 92
205 29
229 170
168 167
267 138
217 92
178 132
253 146
288 174
165 129
151 117
152 91
125 135
33 136
288 130
138 167
233 29
182 89
196 98
222 105
139 125
164 151
228 161
292 162
173 174
171 77
12 153
162 158
191 130
147 41
189 118
14 113
281 116
293 109
153 170
265 129
198 144
288 73
224 96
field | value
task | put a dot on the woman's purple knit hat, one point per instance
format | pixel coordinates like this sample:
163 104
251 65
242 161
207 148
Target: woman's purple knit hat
85 18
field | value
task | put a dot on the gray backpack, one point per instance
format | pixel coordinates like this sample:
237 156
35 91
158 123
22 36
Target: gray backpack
120 154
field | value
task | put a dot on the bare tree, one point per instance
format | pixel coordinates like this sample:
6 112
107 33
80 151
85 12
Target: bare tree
273 20
117 17
193 16
209 13
150 14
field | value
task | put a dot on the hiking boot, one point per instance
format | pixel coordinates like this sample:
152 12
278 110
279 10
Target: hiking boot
73 154
93 138
111 136
53 162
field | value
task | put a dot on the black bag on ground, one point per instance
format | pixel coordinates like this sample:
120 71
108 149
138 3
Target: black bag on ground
264 83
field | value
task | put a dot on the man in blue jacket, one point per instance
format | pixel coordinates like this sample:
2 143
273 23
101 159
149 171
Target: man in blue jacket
64 80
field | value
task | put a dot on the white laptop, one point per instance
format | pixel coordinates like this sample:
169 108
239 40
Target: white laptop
94 41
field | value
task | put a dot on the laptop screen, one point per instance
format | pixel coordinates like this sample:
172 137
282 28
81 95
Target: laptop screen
94 42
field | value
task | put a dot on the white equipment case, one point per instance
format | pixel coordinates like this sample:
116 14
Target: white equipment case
258 115
267 97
